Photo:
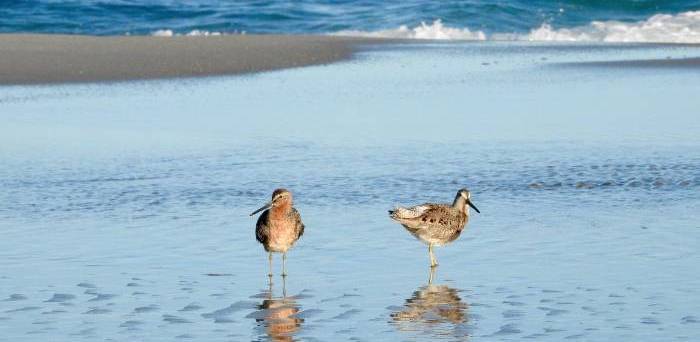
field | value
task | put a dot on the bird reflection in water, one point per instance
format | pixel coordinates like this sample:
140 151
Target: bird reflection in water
277 317
433 309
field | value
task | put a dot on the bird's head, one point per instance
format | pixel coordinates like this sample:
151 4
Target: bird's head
463 200
280 197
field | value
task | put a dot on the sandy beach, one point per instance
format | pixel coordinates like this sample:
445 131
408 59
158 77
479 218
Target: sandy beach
52 58
39 58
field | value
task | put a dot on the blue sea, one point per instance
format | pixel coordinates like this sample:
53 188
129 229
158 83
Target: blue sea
640 20
124 207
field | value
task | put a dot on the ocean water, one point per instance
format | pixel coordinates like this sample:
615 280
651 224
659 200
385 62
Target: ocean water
124 207
620 21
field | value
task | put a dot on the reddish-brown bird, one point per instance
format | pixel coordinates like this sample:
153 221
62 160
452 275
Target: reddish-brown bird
279 226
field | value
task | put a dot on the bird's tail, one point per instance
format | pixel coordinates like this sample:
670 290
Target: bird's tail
401 213
397 213
392 214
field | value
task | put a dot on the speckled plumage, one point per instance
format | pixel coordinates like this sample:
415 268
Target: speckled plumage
436 224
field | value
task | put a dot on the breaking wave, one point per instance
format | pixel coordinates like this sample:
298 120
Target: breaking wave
660 28
171 33
436 30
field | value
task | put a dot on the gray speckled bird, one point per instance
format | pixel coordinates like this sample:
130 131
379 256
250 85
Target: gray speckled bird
279 226
436 224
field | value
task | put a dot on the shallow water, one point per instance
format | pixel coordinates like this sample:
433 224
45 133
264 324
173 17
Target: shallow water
124 207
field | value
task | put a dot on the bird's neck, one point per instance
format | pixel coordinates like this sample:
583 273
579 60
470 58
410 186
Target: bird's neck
279 212
460 203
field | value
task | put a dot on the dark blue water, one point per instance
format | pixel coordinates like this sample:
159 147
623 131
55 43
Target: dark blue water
315 16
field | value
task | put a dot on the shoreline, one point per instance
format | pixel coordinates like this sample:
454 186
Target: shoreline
33 59
45 59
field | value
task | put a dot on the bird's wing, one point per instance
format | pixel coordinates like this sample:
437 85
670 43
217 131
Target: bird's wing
401 213
299 226
443 216
262 230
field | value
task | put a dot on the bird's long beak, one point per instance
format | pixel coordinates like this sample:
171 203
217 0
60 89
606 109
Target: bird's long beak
473 206
267 205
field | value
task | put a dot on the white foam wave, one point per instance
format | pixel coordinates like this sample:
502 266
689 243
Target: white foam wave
660 28
436 30
163 33
170 33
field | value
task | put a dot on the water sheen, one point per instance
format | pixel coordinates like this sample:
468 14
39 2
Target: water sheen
124 207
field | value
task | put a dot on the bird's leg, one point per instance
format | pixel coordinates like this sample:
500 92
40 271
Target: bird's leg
430 253
432 275
269 287
433 261
269 258
284 264
284 287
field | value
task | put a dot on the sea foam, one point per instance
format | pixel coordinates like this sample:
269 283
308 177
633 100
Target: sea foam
436 30
660 28
171 33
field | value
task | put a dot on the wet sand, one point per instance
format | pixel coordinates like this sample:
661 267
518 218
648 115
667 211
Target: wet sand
36 59
45 59
665 63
